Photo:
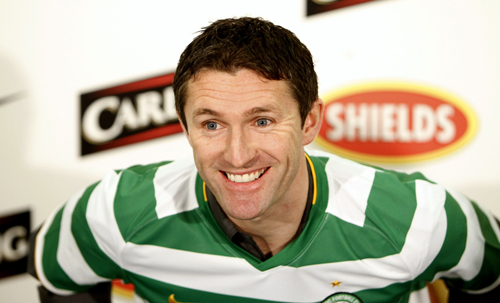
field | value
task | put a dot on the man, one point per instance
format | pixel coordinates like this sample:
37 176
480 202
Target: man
256 219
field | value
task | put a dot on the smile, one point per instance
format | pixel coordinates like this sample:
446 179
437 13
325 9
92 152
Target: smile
246 177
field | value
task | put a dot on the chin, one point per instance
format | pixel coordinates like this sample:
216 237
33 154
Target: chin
243 212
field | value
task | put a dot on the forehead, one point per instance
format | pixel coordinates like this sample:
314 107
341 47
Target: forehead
241 86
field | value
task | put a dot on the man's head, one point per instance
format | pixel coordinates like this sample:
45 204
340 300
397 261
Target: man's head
237 88
270 51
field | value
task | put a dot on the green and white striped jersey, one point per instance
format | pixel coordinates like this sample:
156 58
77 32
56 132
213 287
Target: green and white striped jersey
376 234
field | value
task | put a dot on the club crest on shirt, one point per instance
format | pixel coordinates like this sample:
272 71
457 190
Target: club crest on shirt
342 297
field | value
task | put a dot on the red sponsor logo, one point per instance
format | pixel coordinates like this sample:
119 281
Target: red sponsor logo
122 289
127 114
395 122
320 6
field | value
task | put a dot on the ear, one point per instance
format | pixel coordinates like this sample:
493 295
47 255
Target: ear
184 130
312 124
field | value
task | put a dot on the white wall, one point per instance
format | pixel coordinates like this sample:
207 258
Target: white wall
54 50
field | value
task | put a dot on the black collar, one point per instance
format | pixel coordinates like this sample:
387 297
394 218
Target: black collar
244 240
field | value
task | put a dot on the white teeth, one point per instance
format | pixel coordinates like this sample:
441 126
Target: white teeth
246 177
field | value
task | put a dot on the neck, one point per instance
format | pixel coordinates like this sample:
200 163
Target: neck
271 237
279 225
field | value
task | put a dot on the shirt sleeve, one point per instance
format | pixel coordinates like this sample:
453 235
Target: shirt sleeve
77 246
478 269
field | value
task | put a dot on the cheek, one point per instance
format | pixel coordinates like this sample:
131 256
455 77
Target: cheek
283 144
205 149
287 138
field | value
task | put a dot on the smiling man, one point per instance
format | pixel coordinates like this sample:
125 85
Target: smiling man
248 138
253 217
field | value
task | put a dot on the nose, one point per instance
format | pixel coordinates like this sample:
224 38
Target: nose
240 149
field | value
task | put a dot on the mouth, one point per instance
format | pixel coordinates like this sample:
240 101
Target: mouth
245 178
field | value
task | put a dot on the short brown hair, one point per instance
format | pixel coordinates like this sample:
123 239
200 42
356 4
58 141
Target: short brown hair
269 50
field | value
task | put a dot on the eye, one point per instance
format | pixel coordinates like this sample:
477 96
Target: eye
263 122
211 125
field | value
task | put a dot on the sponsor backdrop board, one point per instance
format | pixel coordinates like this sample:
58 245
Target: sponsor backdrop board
409 85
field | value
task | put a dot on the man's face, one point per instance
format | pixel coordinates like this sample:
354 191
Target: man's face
247 140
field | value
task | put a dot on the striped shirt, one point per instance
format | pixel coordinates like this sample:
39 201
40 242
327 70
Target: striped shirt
377 234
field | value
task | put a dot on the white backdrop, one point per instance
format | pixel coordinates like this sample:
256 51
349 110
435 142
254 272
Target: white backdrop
53 50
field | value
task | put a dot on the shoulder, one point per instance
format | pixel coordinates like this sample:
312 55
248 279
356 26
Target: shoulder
430 227
154 180
377 198
142 171
137 177
343 173
142 194
345 168
374 188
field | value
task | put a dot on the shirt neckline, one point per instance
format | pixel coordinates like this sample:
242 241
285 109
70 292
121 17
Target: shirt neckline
244 240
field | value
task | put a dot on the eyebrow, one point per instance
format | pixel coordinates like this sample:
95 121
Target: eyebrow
251 112
205 111
258 110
